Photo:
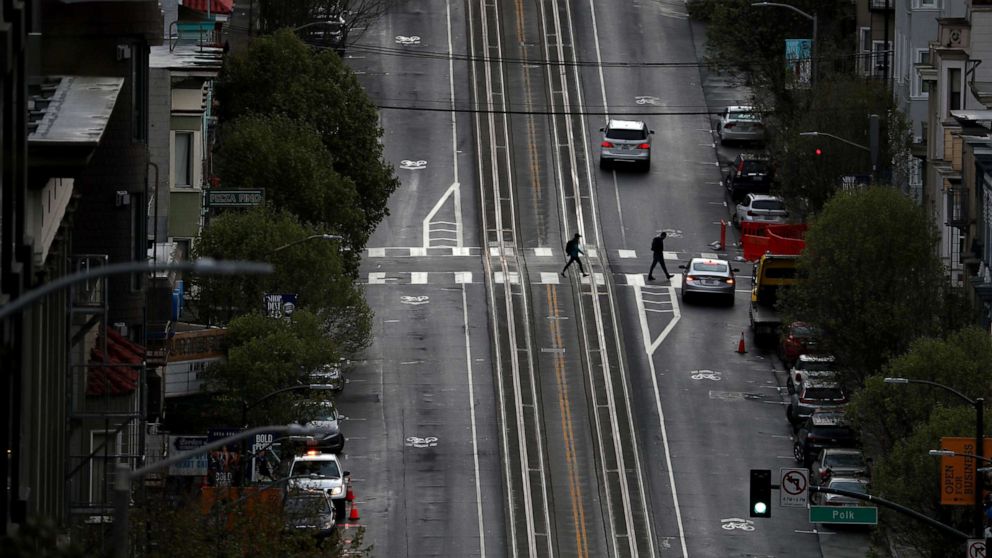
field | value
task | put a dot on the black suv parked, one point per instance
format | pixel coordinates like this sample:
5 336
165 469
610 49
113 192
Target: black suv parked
823 429
750 174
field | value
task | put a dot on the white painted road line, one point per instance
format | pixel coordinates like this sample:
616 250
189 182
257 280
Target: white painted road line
377 252
499 277
463 277
550 278
634 279
600 279
627 254
377 278
543 252
418 277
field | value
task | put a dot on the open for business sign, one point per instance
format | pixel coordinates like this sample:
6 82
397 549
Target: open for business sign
958 473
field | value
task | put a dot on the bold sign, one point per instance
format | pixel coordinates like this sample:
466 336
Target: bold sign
957 473
855 515
235 198
793 487
224 465
195 466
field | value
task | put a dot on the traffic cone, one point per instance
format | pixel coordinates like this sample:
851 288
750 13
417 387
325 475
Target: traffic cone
351 495
741 349
353 516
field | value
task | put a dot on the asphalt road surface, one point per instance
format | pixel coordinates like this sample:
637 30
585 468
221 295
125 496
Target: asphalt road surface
507 410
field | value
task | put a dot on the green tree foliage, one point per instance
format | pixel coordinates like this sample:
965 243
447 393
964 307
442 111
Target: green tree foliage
900 423
38 538
311 269
870 278
279 74
288 159
265 355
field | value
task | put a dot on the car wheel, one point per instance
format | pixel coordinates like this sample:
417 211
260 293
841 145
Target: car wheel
685 297
339 515
790 414
799 453
646 166
604 163
730 299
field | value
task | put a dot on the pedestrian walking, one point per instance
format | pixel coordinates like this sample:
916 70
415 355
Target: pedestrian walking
572 250
658 249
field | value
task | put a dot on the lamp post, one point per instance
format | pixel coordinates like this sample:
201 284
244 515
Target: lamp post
305 239
811 17
122 486
979 404
250 464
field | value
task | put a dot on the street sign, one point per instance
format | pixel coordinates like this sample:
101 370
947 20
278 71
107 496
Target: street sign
793 488
855 515
235 198
957 473
976 548
280 305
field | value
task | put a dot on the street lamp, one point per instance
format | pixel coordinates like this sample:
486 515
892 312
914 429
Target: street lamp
979 404
122 486
302 240
206 266
949 453
811 17
838 138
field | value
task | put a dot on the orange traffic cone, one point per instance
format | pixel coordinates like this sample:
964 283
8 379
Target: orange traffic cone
741 349
351 495
353 516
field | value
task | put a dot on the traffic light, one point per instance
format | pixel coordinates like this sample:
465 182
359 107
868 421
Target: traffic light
818 152
761 493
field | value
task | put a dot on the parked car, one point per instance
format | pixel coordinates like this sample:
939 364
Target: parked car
760 208
810 367
852 484
751 173
323 417
838 462
799 338
309 511
740 123
708 277
823 429
331 374
320 471
812 395
625 141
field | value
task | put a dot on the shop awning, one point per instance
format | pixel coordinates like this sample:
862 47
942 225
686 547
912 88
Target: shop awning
216 6
117 374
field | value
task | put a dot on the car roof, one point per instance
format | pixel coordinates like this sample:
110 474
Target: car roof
765 197
627 124
753 156
740 108
858 480
847 451
709 261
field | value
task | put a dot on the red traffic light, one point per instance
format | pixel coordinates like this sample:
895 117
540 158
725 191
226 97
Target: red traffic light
818 151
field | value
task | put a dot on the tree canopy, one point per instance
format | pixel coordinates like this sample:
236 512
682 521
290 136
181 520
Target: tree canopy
289 160
279 74
310 269
870 278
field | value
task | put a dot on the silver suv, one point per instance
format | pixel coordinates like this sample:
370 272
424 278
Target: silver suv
625 141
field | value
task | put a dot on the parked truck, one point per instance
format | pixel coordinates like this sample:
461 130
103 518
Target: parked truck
771 273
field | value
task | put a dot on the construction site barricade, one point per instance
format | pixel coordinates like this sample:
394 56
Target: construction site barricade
759 238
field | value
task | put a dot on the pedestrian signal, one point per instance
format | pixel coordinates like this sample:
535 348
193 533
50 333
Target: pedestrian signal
761 493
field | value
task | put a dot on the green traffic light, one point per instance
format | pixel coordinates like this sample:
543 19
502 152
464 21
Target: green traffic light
760 508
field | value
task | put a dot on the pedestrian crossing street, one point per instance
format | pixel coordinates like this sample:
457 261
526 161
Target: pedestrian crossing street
495 252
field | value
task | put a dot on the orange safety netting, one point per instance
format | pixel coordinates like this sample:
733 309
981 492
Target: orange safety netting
759 238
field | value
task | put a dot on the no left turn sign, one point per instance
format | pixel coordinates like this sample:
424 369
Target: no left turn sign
793 488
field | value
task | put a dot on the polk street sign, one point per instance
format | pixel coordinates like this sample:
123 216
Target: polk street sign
793 488
855 515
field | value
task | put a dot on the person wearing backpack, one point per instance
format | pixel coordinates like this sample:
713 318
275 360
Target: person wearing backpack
572 250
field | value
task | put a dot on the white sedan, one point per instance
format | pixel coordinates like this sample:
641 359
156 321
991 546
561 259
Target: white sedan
740 123
760 208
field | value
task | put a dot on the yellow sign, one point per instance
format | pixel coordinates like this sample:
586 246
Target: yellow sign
957 473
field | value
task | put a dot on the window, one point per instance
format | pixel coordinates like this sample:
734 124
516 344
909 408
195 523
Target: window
182 250
139 92
139 237
182 160
920 89
953 89
881 59
864 39
926 4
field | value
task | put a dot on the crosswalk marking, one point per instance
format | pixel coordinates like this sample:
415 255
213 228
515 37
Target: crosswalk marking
418 277
418 251
463 277
377 252
635 279
377 278
599 277
550 278
461 251
499 277
628 254
543 252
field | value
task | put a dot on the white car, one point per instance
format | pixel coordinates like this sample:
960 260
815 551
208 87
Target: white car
320 471
761 208
811 367
740 123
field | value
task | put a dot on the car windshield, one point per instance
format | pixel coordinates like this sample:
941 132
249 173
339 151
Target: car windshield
710 267
844 460
755 167
749 116
815 366
621 134
850 486
327 469
770 205
804 330
824 394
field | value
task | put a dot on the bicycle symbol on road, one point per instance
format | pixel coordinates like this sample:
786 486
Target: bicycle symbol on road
737 523
418 442
403 40
647 100
705 375
413 165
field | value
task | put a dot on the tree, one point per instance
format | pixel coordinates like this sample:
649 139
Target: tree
899 423
870 279
311 269
279 74
288 159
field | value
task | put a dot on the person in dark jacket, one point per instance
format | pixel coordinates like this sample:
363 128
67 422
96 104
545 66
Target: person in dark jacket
658 249
572 250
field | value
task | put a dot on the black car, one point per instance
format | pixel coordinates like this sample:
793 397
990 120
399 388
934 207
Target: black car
751 173
823 429
311 512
